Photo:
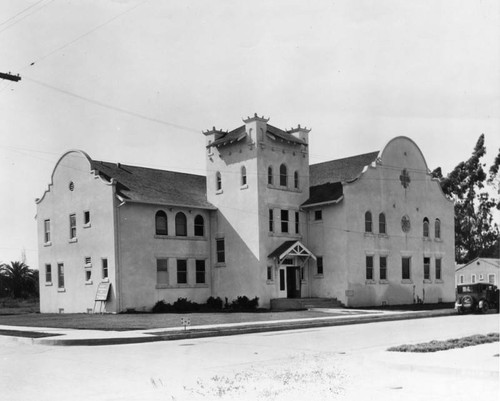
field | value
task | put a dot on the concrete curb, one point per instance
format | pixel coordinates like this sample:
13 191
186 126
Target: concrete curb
192 333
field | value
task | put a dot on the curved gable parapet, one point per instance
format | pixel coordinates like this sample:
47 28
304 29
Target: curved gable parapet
403 151
81 152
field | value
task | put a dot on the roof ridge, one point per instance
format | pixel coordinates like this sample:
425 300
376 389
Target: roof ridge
348 157
118 164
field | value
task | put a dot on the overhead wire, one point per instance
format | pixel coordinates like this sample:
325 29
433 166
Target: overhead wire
27 15
20 12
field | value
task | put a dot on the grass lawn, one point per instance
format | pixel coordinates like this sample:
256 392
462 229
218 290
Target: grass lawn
144 320
11 306
434 346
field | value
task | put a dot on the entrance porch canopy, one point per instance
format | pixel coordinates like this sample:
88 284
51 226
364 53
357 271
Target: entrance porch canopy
290 249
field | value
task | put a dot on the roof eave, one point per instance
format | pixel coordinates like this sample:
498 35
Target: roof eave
330 202
133 201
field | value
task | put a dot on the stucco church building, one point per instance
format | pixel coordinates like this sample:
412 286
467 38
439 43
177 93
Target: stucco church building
367 230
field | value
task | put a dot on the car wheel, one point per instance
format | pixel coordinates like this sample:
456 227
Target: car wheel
485 307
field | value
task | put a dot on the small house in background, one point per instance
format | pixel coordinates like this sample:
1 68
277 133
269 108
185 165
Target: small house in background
479 270
367 230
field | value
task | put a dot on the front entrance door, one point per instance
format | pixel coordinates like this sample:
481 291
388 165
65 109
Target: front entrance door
293 282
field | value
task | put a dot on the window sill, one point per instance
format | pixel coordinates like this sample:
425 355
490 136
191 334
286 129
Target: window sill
48 284
383 282
370 282
244 186
61 290
367 234
219 191
427 281
220 264
88 225
181 237
49 243
438 240
87 265
105 280
73 240
89 282
161 286
439 281
406 281
201 285
270 282
383 236
426 239
283 188
319 276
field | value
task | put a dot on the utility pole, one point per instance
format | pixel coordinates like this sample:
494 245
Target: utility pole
10 77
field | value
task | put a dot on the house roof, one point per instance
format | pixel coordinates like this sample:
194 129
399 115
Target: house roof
293 247
283 135
234 135
325 179
147 185
491 262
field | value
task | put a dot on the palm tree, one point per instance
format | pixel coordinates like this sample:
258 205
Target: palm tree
19 278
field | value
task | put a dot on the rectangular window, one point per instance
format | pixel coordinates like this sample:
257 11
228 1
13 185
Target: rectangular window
269 273
473 279
406 268
282 279
60 275
427 268
161 271
369 267
383 267
318 215
48 273
284 221
319 265
104 262
220 248
491 278
182 271
88 274
88 260
297 222
200 272
461 279
438 269
46 229
271 220
72 226
86 218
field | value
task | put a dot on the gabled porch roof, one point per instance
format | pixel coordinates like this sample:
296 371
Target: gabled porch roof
291 248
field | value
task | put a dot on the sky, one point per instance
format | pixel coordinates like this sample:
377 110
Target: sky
137 81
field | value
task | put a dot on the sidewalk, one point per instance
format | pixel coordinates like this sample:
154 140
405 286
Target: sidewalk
67 337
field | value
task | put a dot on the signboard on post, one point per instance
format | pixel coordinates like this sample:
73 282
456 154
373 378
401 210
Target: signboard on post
102 292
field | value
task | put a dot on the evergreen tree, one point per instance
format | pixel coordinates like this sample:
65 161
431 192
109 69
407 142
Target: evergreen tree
476 233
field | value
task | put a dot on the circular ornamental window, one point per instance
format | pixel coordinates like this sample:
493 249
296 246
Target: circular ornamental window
405 224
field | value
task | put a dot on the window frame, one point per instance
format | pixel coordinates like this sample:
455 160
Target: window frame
408 267
271 220
220 250
104 268
285 220
319 265
368 222
427 268
425 228
162 266
383 267
181 228
382 226
296 179
46 231
270 177
438 268
86 218
218 181
283 175
369 263
437 229
270 274
48 273
243 176
72 226
60 276
200 271
160 217
297 222
182 271
318 215
199 227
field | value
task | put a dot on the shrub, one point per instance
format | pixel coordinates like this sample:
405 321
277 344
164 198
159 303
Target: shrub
162 307
243 304
183 305
214 304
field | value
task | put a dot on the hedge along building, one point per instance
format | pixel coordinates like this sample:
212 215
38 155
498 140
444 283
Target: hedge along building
366 230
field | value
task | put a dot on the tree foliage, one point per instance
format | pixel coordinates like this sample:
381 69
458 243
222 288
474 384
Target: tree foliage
476 233
18 280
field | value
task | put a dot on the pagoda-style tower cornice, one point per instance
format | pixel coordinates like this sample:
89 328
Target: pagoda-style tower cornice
255 118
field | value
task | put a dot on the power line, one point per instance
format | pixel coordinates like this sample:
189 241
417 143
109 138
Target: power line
27 15
20 12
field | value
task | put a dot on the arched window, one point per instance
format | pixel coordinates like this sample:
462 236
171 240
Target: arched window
426 227
218 181
199 226
180 225
270 175
161 223
296 180
368 222
381 223
243 175
283 176
437 229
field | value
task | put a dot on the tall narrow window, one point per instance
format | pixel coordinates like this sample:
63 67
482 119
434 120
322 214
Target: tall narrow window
381 223
218 181
60 275
461 279
199 226
438 268
48 273
200 271
491 278
182 271
271 220
368 222
296 180
104 262
161 223
319 265
243 175
86 218
269 273
162 271
473 279
72 226
297 222
426 227
427 268
406 274
46 229
369 267
383 267
437 229
284 221
180 225
283 176
282 280
220 250
270 175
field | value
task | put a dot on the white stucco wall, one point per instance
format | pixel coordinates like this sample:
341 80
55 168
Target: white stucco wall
95 240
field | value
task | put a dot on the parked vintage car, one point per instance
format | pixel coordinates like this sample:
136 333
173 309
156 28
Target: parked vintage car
479 297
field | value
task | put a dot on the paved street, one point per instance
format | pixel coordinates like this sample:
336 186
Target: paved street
344 362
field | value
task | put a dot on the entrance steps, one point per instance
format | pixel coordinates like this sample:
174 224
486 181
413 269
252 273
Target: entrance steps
280 304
